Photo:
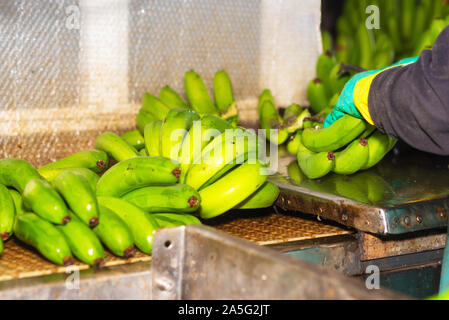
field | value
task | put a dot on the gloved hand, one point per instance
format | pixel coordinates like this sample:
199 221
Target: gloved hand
353 99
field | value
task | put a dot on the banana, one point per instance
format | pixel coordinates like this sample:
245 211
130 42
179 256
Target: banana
317 94
142 119
179 198
384 52
16 173
42 199
115 146
43 236
295 124
198 95
343 48
221 155
379 145
292 112
293 144
7 213
134 138
352 158
231 189
326 40
152 136
324 65
223 94
1 247
420 24
114 233
314 165
200 134
171 99
334 137
79 196
136 173
336 81
141 224
174 128
294 173
18 202
154 107
169 220
266 95
264 197
83 243
91 177
271 121
143 152
407 18
95 160
366 46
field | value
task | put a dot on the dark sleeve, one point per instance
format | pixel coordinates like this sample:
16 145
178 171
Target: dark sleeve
411 103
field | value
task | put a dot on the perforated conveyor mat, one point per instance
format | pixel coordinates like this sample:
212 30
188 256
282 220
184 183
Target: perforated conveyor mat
21 261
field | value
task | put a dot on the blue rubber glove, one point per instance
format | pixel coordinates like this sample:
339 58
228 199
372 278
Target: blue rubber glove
345 104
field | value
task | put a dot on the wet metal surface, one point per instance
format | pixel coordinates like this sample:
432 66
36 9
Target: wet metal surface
407 192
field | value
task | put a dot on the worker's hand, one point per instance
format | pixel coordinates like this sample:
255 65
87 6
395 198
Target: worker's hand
353 99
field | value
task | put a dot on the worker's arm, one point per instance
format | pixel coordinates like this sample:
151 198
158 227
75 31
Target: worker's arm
412 102
408 101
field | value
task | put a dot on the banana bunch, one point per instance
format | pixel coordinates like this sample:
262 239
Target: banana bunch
349 145
199 100
406 28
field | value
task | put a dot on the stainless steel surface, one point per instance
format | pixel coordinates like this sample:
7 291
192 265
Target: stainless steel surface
406 192
197 262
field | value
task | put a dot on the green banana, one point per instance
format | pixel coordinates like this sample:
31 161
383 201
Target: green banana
43 236
42 199
171 98
200 134
1 247
136 173
143 152
264 96
324 65
366 45
179 198
379 145
295 124
407 18
326 40
384 54
141 224
293 144
420 24
270 120
198 95
152 136
221 155
154 107
352 158
292 112
114 233
232 189
115 146
174 128
83 243
343 48
336 81
142 119
7 213
294 173
18 202
169 220
134 138
224 97
16 173
334 137
264 197
94 160
79 196
317 94
91 177
314 165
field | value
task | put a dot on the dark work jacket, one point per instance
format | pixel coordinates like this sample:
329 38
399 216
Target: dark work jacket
411 103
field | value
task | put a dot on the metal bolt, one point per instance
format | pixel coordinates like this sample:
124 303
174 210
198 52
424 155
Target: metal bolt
442 213
419 219
407 220
344 217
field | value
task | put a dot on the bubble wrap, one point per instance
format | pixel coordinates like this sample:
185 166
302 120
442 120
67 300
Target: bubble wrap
70 69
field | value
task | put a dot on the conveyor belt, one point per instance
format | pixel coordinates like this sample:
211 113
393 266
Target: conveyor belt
21 261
